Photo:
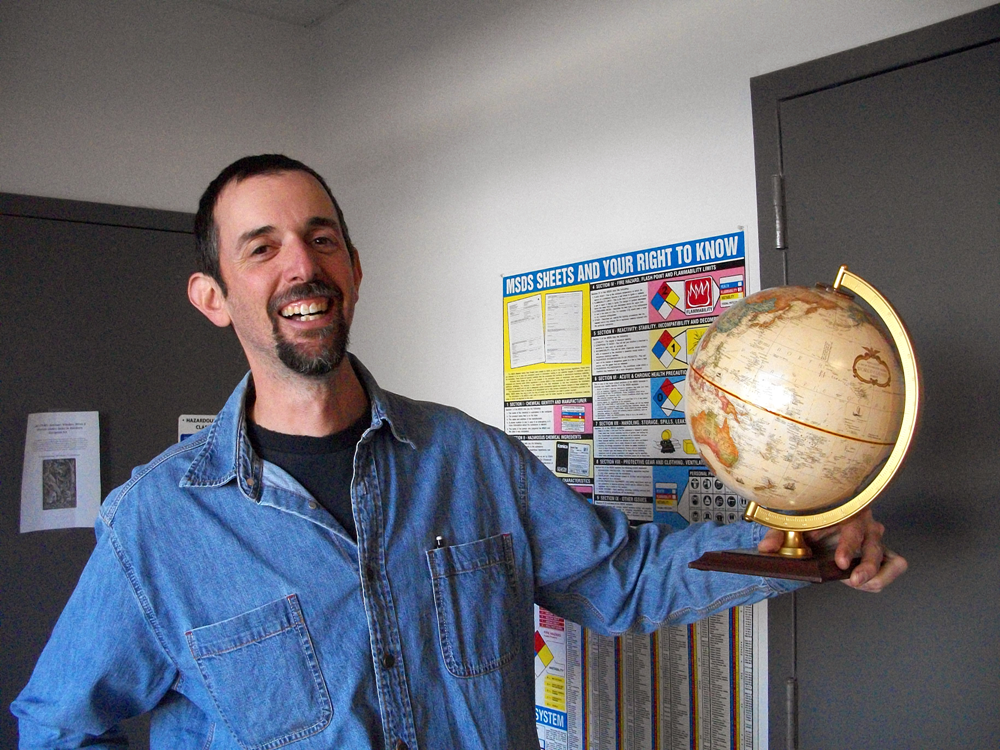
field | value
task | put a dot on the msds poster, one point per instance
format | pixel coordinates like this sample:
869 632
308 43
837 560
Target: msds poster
595 361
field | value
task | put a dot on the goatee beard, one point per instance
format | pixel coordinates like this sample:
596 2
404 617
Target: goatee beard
336 335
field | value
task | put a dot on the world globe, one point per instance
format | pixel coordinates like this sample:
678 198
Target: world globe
795 396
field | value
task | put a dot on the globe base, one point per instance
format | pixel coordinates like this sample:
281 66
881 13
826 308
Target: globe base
819 568
795 545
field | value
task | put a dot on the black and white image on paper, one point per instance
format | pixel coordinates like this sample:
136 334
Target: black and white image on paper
58 483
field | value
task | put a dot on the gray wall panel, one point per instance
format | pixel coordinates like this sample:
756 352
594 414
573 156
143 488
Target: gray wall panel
891 162
97 318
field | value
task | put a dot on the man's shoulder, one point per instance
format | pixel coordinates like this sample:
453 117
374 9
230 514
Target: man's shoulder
156 477
204 459
445 431
425 417
413 419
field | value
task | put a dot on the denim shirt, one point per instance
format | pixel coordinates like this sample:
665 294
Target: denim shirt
227 602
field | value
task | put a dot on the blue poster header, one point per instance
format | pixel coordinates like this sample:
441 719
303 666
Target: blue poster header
724 247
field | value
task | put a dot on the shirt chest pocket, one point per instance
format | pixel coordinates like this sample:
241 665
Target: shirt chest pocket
475 589
262 673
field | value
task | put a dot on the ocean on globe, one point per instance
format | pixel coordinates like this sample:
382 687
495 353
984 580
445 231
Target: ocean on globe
794 397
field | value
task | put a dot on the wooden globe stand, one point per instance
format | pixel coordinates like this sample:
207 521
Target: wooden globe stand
796 559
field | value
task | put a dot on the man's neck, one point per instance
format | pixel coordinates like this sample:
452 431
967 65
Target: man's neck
298 405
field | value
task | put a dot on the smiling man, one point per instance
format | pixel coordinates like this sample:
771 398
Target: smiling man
278 268
330 565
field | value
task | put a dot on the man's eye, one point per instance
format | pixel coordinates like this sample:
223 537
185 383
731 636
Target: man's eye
259 250
324 241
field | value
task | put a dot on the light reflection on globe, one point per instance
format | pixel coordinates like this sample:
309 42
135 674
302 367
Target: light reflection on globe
794 396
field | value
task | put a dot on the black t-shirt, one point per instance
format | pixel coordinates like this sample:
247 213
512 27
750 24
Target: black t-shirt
323 465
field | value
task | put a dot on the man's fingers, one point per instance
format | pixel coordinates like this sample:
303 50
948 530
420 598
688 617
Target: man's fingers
861 535
893 566
872 554
771 541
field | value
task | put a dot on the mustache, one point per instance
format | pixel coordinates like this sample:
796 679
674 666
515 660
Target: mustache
315 288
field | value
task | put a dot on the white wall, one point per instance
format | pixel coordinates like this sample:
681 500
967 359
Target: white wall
465 139
475 139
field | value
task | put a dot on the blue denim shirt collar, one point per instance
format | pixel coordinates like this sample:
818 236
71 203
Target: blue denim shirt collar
383 408
227 454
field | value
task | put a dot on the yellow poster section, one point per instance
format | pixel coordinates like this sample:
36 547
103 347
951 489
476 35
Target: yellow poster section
545 381
555 692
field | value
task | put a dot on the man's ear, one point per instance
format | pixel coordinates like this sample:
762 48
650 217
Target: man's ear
205 294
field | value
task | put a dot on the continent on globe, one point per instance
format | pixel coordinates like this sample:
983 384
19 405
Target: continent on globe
795 396
715 437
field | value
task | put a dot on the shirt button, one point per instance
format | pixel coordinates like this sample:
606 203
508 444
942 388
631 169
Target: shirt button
400 745
249 481
312 505
389 661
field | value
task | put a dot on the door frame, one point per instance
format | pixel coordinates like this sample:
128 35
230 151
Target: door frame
768 91
85 212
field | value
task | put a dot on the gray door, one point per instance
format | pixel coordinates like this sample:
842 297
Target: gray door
891 161
95 318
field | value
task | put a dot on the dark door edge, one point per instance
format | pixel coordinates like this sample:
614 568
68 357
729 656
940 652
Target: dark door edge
84 212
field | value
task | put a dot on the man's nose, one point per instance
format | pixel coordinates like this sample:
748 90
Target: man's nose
301 260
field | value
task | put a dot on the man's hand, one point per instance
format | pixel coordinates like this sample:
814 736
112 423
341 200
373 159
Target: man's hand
859 534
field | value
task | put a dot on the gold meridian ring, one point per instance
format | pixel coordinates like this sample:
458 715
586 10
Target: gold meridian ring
911 408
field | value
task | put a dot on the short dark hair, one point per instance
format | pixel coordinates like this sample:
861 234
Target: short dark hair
206 231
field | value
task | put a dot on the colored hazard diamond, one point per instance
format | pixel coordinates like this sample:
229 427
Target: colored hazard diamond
668 392
543 654
666 347
665 299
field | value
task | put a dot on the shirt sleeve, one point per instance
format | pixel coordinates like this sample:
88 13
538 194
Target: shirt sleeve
593 567
103 662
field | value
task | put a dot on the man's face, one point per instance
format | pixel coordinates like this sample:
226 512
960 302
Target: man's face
292 284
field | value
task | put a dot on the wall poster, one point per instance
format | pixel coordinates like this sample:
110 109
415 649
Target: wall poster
595 360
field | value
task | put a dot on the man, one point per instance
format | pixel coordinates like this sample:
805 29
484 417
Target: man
335 566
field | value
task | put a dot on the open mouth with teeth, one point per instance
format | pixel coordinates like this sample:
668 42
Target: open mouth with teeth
305 310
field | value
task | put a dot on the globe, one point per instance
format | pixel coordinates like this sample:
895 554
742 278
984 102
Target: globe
795 396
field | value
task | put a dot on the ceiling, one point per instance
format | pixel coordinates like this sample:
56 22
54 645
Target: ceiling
298 12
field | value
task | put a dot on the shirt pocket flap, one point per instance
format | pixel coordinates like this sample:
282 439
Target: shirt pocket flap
249 627
466 558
